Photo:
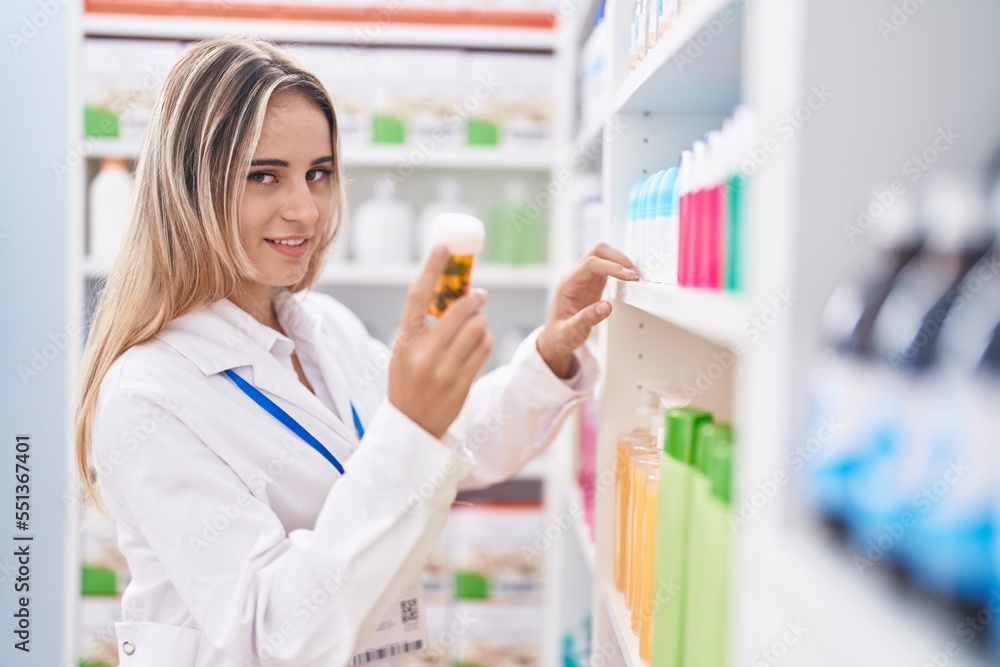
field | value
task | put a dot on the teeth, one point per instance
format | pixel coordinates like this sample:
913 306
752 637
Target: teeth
299 242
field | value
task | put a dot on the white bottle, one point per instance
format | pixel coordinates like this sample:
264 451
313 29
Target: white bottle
110 194
382 228
448 201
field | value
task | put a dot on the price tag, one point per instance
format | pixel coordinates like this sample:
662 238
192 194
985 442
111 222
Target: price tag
404 630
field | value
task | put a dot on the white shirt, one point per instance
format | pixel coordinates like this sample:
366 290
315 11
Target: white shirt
233 527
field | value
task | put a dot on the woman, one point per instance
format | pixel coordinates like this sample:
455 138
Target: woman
278 476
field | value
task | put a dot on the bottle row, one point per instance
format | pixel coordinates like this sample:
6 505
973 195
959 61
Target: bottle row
652 20
671 542
430 98
684 225
900 448
382 229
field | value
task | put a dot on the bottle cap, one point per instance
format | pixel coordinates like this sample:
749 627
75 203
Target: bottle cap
681 430
720 466
463 234
114 163
666 202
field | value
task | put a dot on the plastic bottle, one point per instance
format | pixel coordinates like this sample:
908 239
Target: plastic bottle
738 143
902 453
715 196
664 237
683 186
463 235
647 566
705 562
110 194
448 201
382 228
639 513
517 230
646 245
681 427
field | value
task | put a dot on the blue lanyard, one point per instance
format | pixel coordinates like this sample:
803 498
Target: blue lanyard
289 421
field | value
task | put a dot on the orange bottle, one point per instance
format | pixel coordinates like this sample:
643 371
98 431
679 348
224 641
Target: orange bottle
629 448
647 566
642 467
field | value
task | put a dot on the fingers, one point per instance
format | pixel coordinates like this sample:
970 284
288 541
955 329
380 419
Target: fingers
474 362
598 267
458 312
468 337
577 328
604 251
422 291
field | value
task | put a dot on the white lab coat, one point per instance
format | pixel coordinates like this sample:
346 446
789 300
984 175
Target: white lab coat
246 547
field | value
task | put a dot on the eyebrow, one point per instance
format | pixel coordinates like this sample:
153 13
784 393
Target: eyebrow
267 162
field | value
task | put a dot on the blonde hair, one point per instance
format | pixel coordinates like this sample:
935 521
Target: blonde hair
181 248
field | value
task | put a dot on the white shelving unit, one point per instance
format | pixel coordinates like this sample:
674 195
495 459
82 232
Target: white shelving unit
840 105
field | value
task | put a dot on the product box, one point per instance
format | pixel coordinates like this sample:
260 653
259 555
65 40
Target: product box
416 94
98 642
122 79
494 553
345 72
104 569
488 635
512 94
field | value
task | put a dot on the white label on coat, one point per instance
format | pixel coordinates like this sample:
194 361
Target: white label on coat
404 630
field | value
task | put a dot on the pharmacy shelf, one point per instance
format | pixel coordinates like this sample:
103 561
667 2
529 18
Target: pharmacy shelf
894 625
715 315
315 32
622 626
400 157
695 68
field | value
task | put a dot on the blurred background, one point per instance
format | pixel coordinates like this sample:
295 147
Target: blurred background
789 457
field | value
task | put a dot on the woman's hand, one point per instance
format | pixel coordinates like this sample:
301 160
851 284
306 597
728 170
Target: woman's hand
432 368
575 308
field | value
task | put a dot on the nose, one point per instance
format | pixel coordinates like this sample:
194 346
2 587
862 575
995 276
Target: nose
299 205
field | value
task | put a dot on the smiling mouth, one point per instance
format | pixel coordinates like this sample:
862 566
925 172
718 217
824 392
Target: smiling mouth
295 242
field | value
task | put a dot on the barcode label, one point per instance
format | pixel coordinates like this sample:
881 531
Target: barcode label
409 610
386 651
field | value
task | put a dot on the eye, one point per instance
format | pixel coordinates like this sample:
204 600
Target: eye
317 174
262 177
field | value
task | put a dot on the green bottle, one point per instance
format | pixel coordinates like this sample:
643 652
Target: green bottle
676 474
704 642
517 231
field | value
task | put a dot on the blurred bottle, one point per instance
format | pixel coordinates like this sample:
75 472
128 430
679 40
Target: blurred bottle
841 396
449 201
110 194
517 230
382 228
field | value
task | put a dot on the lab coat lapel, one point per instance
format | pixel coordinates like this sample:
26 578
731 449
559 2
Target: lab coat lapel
270 376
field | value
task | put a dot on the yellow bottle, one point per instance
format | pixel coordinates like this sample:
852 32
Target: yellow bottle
643 466
464 236
631 447
647 566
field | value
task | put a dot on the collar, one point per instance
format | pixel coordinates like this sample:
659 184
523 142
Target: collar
221 335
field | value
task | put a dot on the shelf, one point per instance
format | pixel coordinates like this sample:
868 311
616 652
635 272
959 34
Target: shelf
486 275
322 32
622 626
389 157
715 315
823 587
695 68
